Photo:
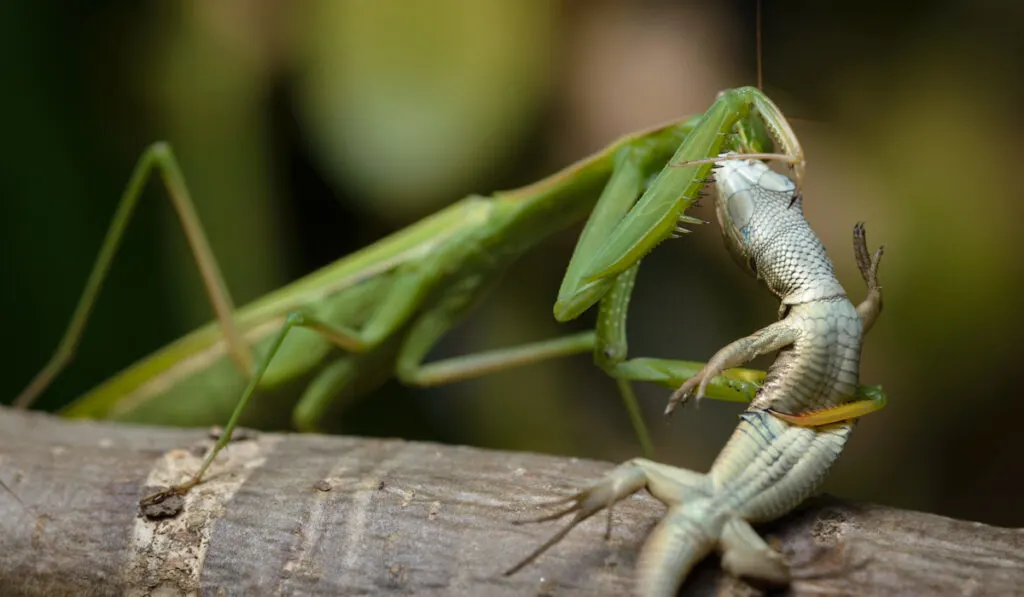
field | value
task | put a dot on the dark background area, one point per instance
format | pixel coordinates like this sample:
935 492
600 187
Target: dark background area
310 129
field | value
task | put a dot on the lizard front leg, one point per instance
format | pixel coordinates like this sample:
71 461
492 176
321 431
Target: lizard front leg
762 342
778 335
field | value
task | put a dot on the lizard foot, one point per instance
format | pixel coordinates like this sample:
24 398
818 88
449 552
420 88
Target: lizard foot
866 262
746 555
623 481
823 564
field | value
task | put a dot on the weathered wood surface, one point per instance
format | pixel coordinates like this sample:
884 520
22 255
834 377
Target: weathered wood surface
303 514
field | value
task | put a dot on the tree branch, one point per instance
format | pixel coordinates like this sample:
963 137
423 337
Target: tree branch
305 514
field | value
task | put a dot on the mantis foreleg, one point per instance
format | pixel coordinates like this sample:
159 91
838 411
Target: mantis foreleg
656 213
619 233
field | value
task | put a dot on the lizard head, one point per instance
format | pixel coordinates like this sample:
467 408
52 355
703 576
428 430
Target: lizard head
744 190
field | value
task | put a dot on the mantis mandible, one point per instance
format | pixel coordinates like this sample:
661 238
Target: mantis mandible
345 329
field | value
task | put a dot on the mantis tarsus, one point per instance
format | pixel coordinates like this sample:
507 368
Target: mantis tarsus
379 311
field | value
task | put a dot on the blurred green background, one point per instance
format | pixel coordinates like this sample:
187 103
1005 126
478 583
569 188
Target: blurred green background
308 129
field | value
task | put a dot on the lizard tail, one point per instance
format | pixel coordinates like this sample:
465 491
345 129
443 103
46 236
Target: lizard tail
675 546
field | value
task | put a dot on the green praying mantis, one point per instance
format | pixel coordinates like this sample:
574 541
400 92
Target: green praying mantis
345 329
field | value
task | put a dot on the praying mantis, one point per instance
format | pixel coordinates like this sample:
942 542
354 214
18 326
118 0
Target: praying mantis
347 328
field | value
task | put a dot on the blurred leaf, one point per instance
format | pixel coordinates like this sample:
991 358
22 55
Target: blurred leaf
411 101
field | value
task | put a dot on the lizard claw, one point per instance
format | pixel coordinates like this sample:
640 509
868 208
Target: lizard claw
573 507
685 391
866 262
582 505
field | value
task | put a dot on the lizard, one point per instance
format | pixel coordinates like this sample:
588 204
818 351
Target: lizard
797 422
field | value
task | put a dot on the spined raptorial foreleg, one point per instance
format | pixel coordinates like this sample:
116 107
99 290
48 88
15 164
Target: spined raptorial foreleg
778 335
667 483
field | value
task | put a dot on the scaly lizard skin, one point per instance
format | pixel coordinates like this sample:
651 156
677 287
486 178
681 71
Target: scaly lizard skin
769 465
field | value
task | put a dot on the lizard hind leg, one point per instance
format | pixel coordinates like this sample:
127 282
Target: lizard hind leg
687 534
867 263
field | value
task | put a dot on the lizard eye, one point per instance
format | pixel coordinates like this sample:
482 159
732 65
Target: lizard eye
752 264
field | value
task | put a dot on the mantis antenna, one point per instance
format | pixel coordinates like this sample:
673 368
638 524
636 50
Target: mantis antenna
791 154
760 78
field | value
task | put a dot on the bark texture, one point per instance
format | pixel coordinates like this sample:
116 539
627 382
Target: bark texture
306 514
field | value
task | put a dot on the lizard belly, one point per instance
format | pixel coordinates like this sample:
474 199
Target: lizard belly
769 466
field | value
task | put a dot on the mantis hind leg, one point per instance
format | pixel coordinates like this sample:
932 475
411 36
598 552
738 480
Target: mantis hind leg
159 157
869 400
740 385
340 384
733 385
483 363
356 374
